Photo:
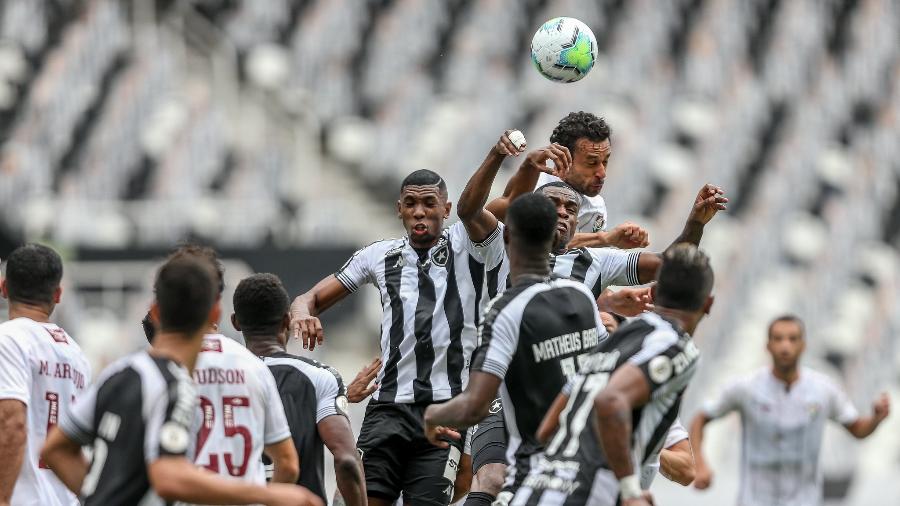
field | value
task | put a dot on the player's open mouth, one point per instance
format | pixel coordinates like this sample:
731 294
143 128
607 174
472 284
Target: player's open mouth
562 228
420 228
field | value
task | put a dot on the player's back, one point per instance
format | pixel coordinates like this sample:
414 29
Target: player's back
44 368
310 392
240 410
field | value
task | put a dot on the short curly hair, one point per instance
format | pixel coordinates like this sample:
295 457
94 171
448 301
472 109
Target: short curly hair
579 125
191 250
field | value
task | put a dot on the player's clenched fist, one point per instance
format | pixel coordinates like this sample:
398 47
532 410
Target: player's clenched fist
511 143
304 326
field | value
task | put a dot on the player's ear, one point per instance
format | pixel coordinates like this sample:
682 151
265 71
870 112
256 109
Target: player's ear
506 235
234 322
653 296
154 313
57 295
706 307
399 214
285 328
3 290
447 207
215 314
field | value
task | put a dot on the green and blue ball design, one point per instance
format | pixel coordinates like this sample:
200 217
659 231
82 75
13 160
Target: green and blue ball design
564 49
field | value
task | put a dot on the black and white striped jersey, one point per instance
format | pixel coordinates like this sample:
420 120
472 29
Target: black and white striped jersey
573 470
140 409
598 268
534 336
431 301
310 392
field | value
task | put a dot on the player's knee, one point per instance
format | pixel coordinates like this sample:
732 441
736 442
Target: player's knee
489 479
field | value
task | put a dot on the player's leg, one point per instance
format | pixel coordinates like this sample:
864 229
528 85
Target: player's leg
488 458
384 440
431 472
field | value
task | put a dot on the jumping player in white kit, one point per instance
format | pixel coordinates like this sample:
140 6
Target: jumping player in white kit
42 371
783 412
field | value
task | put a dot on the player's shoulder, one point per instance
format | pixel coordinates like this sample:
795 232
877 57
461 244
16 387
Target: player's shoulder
569 284
818 378
315 371
382 247
153 374
544 178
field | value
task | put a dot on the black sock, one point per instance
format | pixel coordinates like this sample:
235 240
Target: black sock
479 499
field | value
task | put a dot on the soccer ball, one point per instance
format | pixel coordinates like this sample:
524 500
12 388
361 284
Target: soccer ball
564 49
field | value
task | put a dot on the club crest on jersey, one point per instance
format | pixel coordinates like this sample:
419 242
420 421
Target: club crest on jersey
441 254
660 369
496 406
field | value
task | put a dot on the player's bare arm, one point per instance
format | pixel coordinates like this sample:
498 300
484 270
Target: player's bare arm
464 410
625 236
627 389
677 463
525 178
363 384
626 301
470 208
64 457
703 474
285 459
709 201
13 433
337 434
863 427
306 308
550 423
177 479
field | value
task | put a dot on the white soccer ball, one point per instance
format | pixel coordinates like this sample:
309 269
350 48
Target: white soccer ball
564 49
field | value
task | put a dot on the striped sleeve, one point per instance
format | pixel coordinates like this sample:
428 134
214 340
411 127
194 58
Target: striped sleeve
666 361
490 251
332 396
617 267
499 337
77 423
357 271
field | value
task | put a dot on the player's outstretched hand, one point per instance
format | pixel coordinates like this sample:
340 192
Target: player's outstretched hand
630 301
628 236
511 143
710 200
881 408
559 154
304 326
285 494
703 476
360 387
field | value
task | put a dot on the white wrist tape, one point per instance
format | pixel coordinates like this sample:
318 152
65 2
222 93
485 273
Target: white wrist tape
517 138
630 487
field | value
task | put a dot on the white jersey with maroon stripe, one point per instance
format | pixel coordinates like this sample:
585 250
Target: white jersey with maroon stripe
44 368
240 410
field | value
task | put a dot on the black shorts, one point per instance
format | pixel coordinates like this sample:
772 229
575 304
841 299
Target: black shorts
397 457
489 439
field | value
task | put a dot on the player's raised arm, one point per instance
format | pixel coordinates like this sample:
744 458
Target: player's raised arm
709 201
526 177
470 208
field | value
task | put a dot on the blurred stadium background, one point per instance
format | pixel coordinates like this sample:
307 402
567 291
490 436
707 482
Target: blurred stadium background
278 131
